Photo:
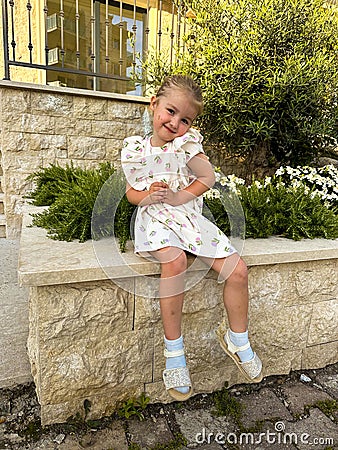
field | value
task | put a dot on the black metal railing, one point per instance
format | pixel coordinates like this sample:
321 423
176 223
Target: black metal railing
90 44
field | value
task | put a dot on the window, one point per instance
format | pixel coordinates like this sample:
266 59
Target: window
107 46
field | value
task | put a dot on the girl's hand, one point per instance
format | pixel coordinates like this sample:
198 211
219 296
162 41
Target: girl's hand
157 192
172 198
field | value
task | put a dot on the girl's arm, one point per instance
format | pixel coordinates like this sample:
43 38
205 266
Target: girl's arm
205 179
155 194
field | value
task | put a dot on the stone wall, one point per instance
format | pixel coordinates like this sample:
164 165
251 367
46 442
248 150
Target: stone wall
41 125
92 336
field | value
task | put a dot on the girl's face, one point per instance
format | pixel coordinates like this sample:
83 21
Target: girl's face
174 113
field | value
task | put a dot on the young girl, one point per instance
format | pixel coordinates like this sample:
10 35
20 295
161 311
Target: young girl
167 174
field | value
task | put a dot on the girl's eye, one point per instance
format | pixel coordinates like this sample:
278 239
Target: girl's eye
170 111
185 121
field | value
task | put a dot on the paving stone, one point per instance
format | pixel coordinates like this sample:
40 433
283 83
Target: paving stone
262 405
329 382
44 444
316 431
300 395
9 250
149 433
14 364
201 427
266 439
112 438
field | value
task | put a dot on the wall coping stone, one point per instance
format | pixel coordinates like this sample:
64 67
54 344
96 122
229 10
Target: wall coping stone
43 261
73 91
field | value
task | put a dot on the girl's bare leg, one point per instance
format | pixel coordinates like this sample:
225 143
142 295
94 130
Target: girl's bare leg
235 291
173 265
236 300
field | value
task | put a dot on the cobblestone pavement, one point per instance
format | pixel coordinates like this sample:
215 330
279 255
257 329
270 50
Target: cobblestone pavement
296 411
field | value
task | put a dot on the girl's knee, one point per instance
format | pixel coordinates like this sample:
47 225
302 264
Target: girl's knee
175 265
239 274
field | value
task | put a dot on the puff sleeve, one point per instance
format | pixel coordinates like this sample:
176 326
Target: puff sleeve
133 162
190 143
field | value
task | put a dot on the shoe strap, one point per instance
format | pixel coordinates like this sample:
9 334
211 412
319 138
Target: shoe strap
235 348
173 353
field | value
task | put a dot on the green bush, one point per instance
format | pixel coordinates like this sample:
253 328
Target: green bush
72 195
85 204
268 72
289 204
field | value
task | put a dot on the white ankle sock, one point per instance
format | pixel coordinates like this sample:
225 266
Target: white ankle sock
177 361
240 339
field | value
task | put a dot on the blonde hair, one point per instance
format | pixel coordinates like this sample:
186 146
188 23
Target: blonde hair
186 83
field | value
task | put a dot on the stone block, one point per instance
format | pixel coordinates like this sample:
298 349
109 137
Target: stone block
148 434
266 286
126 111
52 104
317 281
202 347
15 100
72 126
299 396
54 156
81 307
113 149
84 147
294 284
205 295
316 431
52 142
89 108
263 405
79 337
113 437
35 123
91 366
216 378
115 130
322 331
14 141
202 427
283 329
147 312
102 405
319 355
281 362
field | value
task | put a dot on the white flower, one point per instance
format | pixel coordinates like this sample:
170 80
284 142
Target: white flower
279 171
258 184
267 181
212 193
296 183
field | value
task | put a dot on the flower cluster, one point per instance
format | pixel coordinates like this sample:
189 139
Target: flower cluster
227 182
322 181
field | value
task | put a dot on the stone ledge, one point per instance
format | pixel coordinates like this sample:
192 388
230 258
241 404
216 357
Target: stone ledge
73 91
43 261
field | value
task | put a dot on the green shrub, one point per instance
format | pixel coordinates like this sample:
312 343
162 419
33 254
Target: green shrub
72 195
268 72
294 203
288 204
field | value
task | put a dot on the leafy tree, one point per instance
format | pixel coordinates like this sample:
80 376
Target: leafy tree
268 70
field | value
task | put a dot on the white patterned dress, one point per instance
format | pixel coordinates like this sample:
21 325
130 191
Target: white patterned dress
161 225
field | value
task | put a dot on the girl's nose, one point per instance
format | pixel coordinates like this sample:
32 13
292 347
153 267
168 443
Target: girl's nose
174 123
